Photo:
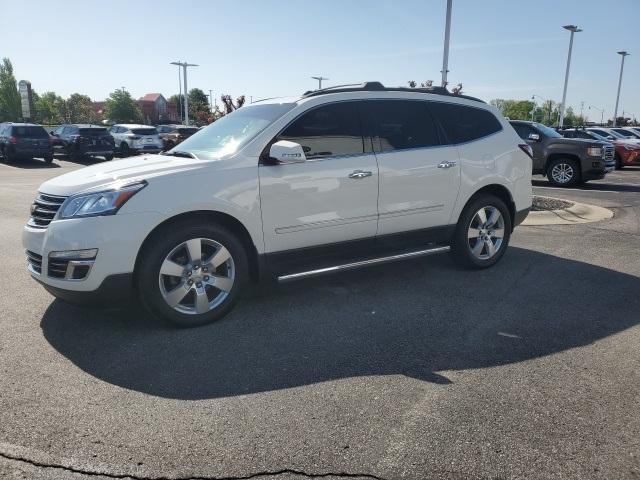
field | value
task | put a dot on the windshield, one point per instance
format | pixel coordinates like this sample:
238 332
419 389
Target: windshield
227 135
597 136
549 132
609 133
625 133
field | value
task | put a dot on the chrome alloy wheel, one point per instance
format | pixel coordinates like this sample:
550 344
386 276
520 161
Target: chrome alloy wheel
562 172
486 233
196 276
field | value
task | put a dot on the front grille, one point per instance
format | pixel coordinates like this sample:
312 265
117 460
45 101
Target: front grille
43 210
609 153
34 261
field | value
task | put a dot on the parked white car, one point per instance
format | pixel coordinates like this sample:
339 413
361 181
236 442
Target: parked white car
131 139
288 188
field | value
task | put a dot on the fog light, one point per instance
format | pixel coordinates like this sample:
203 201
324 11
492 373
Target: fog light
88 254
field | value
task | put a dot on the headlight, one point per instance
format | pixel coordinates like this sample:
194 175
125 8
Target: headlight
594 151
107 202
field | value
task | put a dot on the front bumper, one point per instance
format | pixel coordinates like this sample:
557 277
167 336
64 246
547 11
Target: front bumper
32 152
114 290
117 237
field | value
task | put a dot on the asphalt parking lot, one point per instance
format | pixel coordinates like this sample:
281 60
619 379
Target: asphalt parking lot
413 370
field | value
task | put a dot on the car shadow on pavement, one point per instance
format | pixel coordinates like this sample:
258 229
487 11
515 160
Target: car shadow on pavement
419 318
608 187
30 164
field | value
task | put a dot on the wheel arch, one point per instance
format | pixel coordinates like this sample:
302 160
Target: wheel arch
502 193
555 156
212 217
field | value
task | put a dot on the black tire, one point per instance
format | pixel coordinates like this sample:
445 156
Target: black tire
462 245
108 158
156 250
125 151
48 158
8 157
571 171
619 165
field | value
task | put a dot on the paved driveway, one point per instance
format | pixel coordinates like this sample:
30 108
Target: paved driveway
412 370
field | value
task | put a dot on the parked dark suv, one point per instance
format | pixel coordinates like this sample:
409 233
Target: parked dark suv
78 141
24 141
565 161
172 135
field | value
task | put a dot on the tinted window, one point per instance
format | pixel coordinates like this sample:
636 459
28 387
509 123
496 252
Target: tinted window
464 124
327 131
93 132
522 130
401 124
30 132
144 131
187 131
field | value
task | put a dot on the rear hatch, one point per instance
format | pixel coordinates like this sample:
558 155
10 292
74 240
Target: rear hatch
31 138
95 139
146 138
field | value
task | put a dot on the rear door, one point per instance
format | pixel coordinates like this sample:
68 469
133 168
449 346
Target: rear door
332 196
419 174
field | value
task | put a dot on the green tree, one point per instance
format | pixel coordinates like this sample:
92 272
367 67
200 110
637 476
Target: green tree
121 107
178 101
79 109
10 106
514 109
48 108
198 103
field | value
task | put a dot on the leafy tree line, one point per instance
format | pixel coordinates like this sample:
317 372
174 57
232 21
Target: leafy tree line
51 109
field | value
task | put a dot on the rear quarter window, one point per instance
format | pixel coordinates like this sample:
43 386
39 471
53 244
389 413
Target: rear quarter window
464 124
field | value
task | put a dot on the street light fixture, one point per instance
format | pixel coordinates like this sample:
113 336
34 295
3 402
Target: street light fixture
320 79
601 110
184 66
615 112
573 29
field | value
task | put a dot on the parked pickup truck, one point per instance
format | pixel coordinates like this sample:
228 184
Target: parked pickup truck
565 161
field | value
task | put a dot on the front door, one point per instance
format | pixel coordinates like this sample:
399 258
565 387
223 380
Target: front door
332 196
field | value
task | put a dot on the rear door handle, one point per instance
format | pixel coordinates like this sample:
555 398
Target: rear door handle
359 174
448 164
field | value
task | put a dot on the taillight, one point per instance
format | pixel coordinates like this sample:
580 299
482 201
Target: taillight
50 140
526 149
13 140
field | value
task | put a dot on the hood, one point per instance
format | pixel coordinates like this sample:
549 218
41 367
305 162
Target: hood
128 170
581 142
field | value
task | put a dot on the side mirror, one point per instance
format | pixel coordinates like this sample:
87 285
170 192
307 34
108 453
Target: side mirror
534 136
287 152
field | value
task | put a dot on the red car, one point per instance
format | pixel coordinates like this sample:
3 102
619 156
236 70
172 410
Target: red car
627 151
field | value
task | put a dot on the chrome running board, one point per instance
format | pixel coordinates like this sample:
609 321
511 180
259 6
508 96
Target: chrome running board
363 263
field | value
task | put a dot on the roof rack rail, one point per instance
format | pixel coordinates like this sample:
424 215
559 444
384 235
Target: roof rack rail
378 87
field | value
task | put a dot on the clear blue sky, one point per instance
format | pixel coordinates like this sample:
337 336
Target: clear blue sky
500 48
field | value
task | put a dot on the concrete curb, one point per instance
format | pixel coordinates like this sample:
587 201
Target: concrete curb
576 214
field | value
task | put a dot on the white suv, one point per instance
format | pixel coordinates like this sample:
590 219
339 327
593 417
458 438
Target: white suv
130 139
336 179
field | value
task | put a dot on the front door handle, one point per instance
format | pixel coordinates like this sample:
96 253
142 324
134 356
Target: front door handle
448 164
359 174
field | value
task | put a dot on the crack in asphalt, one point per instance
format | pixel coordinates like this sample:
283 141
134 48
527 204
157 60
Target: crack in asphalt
284 471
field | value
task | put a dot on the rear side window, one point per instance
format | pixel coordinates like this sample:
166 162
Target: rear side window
327 131
464 124
401 124
187 131
93 132
144 131
30 132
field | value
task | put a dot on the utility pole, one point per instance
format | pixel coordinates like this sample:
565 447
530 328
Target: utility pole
447 34
573 29
623 54
184 66
211 100
320 79
581 109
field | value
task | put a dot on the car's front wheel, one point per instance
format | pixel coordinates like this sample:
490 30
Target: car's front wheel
563 172
482 233
192 274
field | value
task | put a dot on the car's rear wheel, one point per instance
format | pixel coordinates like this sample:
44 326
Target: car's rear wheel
482 233
563 172
48 158
192 274
8 156
619 165
108 157
125 151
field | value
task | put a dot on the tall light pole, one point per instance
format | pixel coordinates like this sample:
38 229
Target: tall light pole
447 34
184 66
211 100
573 29
601 110
615 112
320 79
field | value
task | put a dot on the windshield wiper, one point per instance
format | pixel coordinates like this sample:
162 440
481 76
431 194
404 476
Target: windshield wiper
179 153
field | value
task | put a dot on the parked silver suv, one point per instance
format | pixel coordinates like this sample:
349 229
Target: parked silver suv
131 139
